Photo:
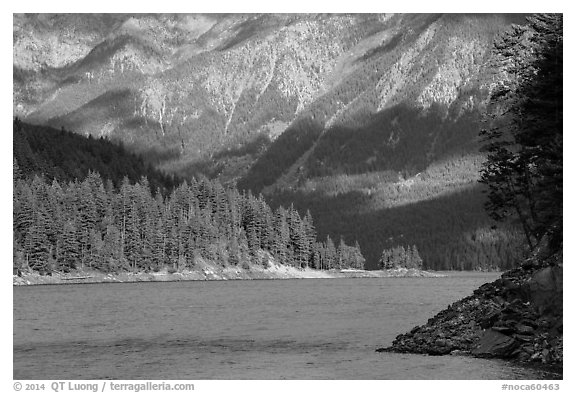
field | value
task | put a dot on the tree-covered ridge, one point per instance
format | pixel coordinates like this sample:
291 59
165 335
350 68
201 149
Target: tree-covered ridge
90 224
440 211
67 156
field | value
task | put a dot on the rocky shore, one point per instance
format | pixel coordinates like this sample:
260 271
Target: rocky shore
517 317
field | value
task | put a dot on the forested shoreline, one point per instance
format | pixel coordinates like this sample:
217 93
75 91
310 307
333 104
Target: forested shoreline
91 224
68 217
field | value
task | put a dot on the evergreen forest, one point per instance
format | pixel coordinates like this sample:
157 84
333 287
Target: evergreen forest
91 222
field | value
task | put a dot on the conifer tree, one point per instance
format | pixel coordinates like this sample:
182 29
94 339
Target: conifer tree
342 255
330 254
357 257
37 247
158 245
281 236
415 257
132 241
24 207
233 252
18 261
69 253
524 138
309 236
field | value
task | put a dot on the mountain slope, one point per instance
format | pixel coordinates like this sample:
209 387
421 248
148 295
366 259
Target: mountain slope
208 84
289 105
440 210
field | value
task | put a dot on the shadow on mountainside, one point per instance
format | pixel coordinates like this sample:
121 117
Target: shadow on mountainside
451 231
400 138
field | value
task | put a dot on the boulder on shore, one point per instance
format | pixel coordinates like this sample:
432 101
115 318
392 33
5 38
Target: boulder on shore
493 343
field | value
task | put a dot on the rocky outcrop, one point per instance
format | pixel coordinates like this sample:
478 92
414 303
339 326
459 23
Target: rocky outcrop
518 316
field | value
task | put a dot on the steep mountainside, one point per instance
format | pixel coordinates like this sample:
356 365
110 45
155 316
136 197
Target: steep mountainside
192 87
350 116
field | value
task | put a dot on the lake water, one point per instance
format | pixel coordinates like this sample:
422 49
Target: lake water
266 329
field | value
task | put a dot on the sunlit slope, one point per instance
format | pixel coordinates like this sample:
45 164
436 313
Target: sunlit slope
201 86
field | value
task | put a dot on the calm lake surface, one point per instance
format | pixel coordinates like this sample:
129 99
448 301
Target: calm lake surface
266 329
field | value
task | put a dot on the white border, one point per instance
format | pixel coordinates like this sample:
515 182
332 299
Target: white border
487 6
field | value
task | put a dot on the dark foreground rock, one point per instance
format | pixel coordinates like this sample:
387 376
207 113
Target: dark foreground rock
518 316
